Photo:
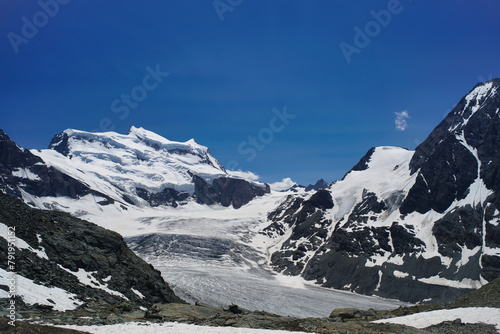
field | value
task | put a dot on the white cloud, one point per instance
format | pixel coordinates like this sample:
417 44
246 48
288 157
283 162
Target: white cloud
400 121
285 184
243 175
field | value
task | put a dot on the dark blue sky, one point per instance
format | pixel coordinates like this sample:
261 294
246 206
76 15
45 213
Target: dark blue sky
226 76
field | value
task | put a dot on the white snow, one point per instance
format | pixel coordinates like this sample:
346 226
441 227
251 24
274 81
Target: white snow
477 97
116 164
25 173
243 175
380 274
466 255
87 278
400 274
465 283
33 293
295 282
387 170
171 327
21 244
241 275
138 293
471 315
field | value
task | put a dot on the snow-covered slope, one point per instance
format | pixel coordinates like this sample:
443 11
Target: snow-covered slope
140 159
86 173
416 226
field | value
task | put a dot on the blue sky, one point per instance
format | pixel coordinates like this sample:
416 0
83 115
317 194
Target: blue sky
233 65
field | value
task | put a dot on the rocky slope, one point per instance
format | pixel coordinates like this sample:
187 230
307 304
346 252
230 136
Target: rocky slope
344 320
63 263
417 225
84 172
25 175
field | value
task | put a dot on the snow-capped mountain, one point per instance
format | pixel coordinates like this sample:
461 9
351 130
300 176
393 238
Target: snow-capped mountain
25 175
413 225
139 169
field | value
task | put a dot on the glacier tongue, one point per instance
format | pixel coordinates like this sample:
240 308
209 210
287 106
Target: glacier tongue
217 256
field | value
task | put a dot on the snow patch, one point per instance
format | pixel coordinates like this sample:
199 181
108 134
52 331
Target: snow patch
138 293
21 244
243 175
25 173
466 283
294 282
400 274
171 327
466 255
87 278
470 315
33 293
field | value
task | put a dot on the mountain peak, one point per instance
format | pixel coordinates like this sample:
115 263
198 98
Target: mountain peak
320 184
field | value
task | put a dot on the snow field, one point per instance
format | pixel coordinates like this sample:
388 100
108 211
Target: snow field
471 315
171 327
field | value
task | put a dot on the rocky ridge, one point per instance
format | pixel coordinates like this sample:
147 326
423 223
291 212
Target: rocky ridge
417 226
64 263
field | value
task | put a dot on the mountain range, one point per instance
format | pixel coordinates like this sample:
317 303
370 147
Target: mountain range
413 225
416 225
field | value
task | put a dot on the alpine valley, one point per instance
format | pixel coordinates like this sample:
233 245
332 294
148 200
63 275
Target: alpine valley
400 227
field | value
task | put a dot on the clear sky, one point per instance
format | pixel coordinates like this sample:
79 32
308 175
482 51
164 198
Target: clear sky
283 88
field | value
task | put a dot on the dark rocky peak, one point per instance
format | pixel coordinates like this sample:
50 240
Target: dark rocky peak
12 155
463 147
22 171
321 200
320 184
362 163
478 108
227 191
59 143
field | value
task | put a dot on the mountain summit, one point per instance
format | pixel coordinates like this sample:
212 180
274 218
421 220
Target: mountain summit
104 170
413 225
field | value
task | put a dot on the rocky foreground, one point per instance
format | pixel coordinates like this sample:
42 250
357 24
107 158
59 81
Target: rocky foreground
345 320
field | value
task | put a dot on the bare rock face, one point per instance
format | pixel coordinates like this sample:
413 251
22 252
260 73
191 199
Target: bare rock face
71 247
23 172
417 226
227 191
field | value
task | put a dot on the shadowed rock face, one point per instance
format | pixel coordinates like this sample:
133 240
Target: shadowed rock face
320 184
21 171
72 245
227 191
415 242
445 166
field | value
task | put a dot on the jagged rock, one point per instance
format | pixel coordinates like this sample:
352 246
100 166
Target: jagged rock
71 245
416 226
320 184
21 171
227 191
